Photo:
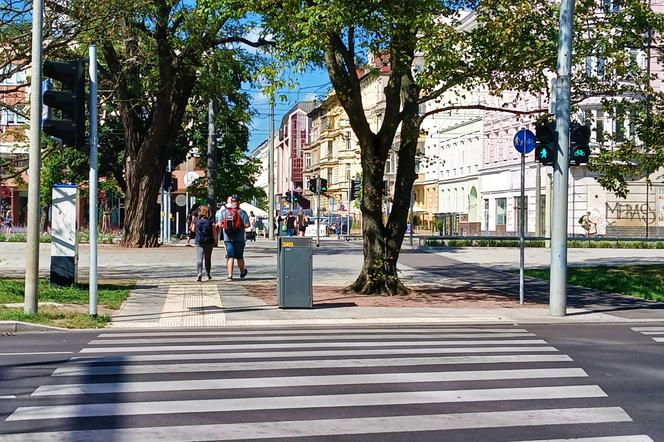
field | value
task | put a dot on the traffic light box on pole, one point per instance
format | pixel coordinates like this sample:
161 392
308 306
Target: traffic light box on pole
69 101
312 186
323 185
579 149
546 143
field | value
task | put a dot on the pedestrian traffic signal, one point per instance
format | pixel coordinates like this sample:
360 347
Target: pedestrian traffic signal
312 185
546 142
69 102
579 148
287 196
167 182
323 185
295 197
355 189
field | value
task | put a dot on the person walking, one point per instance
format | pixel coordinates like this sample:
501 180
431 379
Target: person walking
232 221
290 223
251 230
301 223
203 228
8 222
193 214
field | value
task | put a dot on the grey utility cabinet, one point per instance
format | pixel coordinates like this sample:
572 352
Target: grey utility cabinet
295 272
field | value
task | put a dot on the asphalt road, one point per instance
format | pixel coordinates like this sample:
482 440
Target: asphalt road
462 383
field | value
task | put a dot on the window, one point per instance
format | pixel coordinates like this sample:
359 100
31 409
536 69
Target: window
619 132
335 176
501 209
11 79
307 160
517 213
486 214
348 141
330 148
599 127
329 177
9 118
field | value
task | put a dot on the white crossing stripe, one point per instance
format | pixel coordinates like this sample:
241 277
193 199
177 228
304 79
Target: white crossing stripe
655 333
335 427
310 332
8 396
36 353
211 347
305 381
309 353
405 337
634 438
307 402
303 364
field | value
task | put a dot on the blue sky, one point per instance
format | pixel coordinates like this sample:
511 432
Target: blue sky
311 84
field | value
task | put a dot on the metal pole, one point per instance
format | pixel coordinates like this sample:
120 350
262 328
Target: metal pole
318 211
34 165
167 218
211 161
186 189
270 175
412 218
350 185
93 181
522 221
161 218
538 200
558 281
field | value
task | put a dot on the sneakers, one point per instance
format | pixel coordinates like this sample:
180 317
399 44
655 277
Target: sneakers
199 278
243 274
229 278
209 277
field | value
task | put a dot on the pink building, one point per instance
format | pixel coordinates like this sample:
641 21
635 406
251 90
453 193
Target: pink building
293 136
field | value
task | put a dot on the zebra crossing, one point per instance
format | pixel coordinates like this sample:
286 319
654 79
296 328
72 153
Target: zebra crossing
656 333
411 383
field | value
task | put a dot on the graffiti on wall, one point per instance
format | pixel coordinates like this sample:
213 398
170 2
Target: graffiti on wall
630 213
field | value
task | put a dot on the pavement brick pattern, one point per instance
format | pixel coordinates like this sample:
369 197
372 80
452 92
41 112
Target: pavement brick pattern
369 384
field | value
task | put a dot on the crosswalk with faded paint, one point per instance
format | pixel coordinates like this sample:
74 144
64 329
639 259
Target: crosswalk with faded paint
656 333
469 383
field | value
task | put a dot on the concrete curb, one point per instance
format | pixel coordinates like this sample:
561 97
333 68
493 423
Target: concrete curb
20 326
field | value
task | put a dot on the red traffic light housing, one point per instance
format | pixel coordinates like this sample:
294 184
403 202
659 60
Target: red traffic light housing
69 102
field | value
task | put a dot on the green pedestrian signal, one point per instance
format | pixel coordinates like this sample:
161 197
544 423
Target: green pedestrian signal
323 185
545 142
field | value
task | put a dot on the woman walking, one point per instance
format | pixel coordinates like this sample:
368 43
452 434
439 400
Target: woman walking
302 222
203 228
290 223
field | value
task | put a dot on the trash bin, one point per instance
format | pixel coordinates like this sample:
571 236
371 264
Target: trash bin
295 272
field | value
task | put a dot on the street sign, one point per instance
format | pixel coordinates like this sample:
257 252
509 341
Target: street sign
524 141
190 177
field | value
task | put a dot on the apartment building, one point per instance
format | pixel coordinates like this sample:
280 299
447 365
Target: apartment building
13 141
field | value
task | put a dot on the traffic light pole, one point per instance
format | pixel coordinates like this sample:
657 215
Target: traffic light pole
34 165
350 190
93 182
558 279
270 175
317 223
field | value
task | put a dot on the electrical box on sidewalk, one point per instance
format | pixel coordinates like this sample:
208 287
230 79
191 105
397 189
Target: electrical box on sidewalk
295 272
64 241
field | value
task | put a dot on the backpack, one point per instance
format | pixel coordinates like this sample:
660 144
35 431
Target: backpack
204 232
232 223
581 219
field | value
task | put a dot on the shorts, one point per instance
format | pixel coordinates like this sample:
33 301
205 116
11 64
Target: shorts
234 249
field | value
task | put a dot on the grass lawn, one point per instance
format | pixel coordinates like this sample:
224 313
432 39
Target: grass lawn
640 281
73 315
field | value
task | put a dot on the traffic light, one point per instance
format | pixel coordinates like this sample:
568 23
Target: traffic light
323 185
312 185
579 149
287 197
355 189
546 141
295 197
167 181
69 101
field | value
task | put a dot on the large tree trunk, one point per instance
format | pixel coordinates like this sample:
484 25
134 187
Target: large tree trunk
141 208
